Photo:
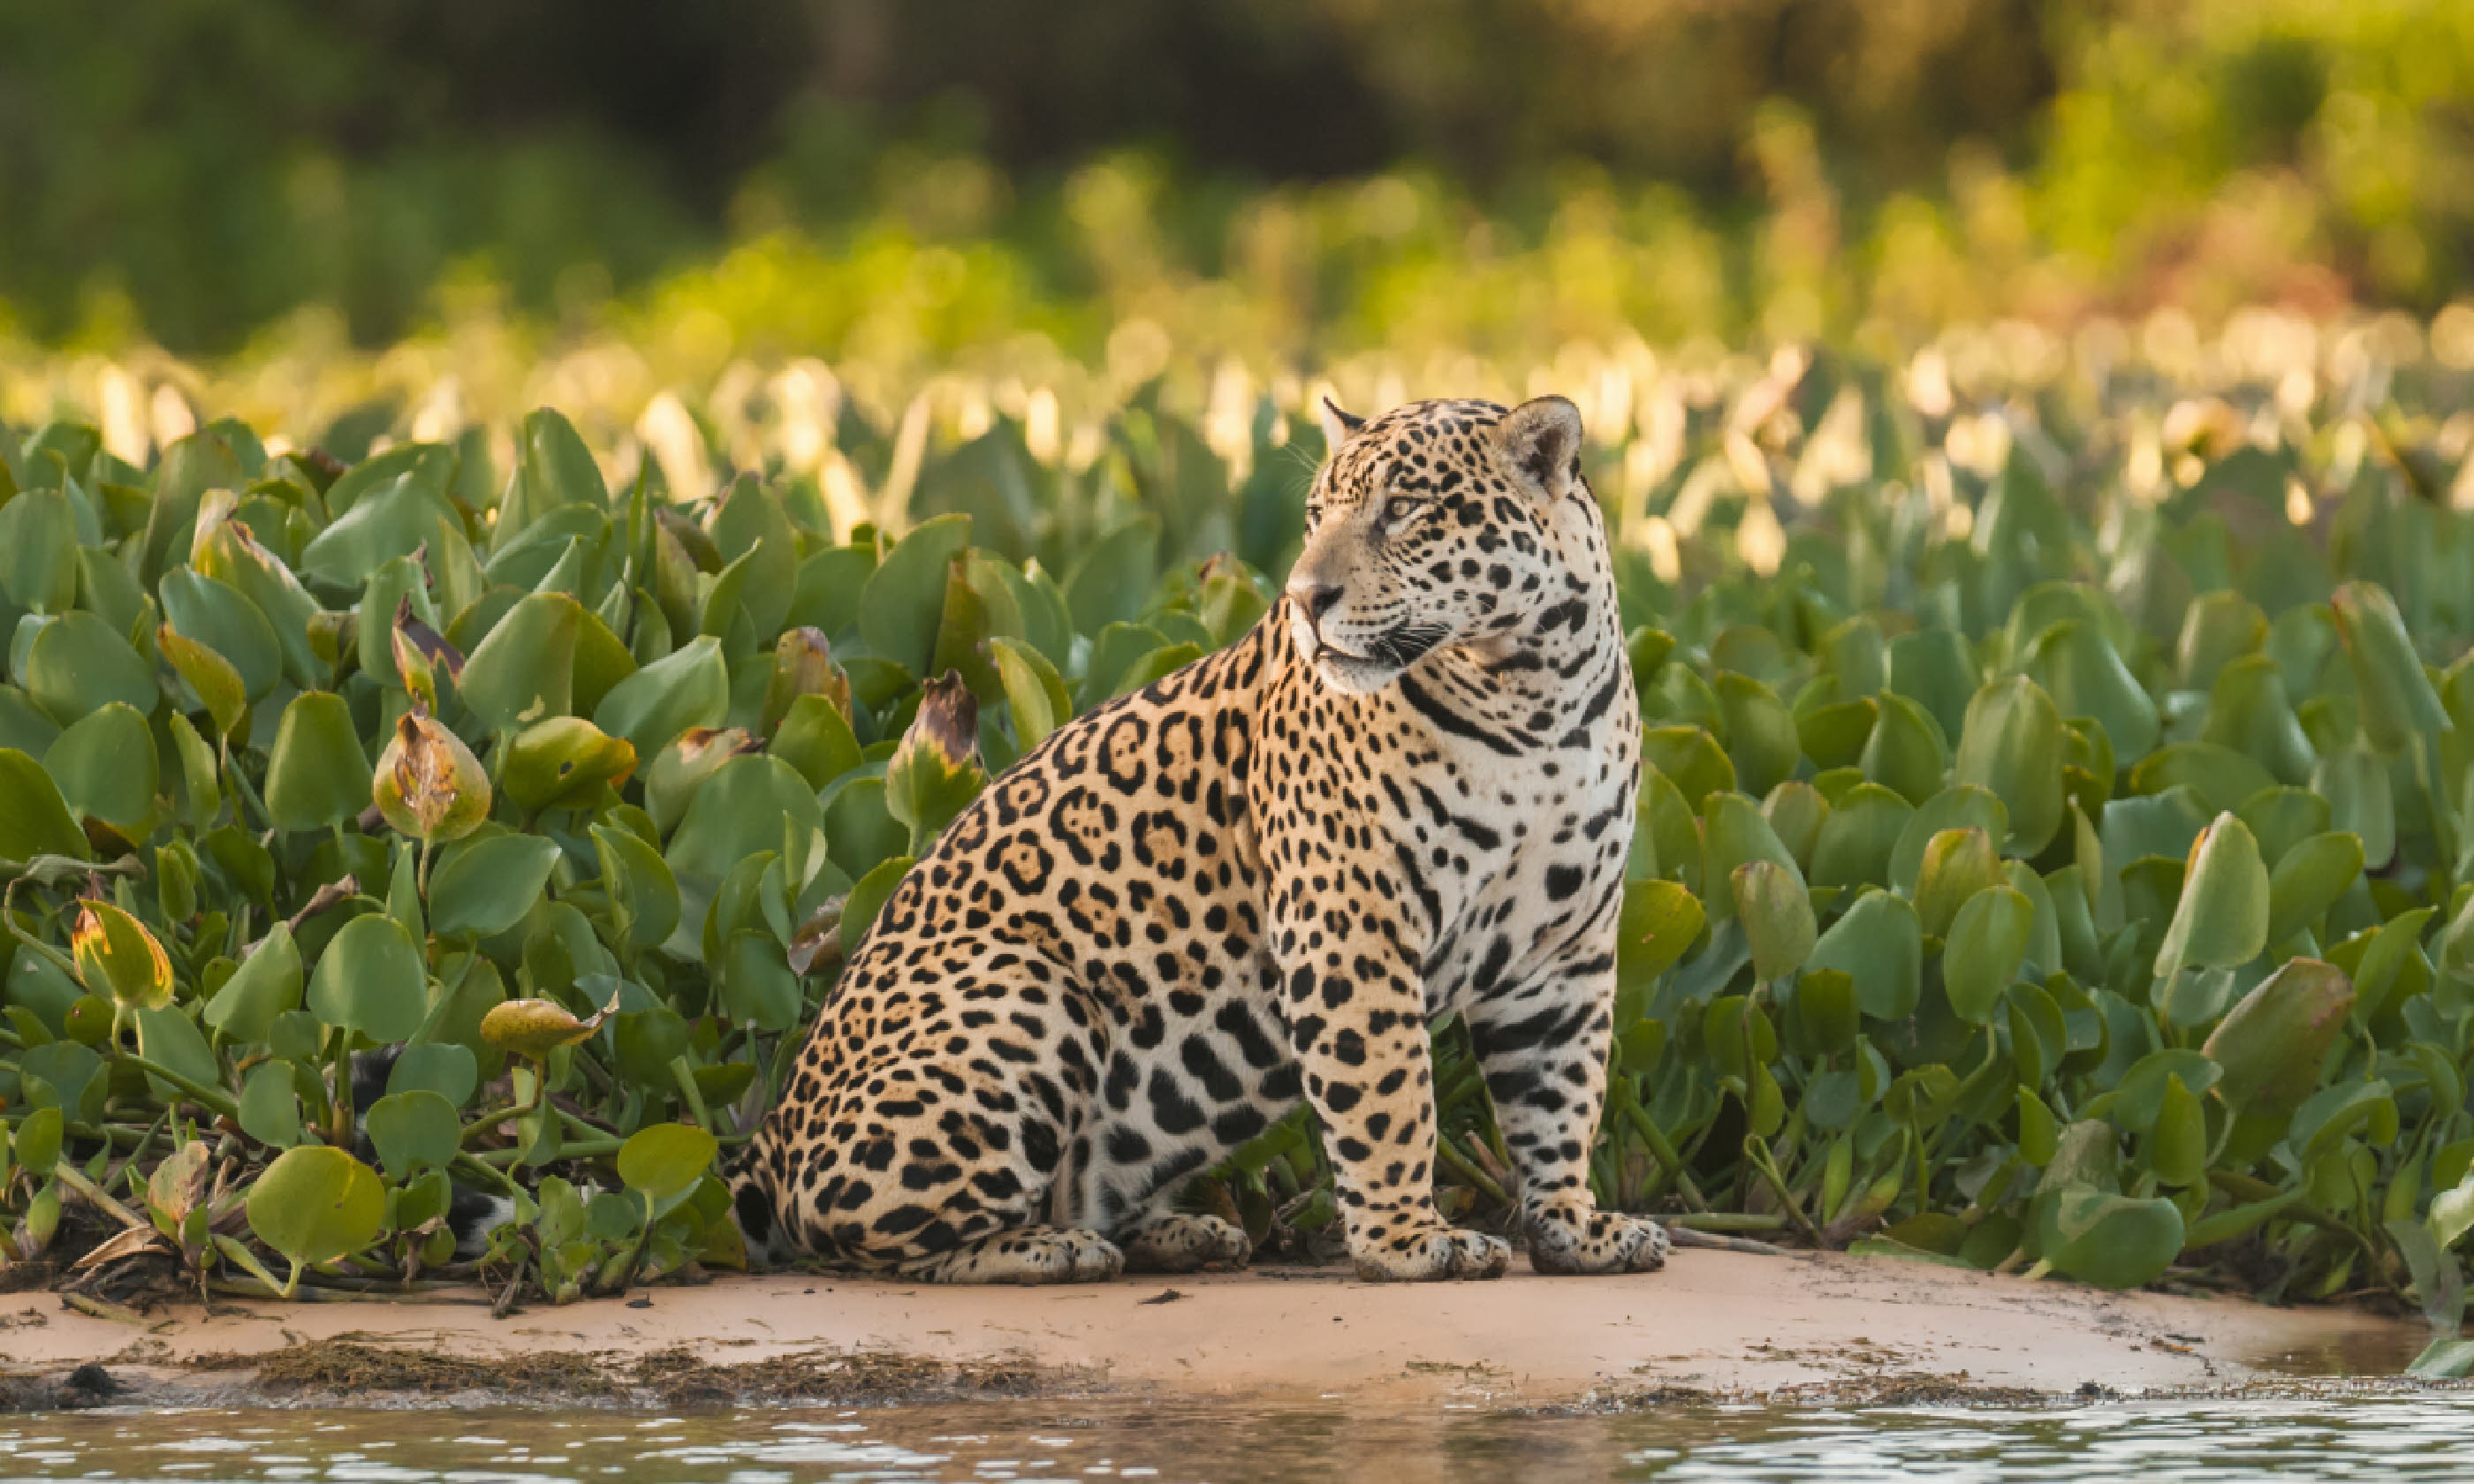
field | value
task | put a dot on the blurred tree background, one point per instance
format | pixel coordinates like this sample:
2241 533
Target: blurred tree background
194 172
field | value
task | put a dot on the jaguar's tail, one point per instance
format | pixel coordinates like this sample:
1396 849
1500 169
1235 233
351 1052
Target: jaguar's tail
751 1201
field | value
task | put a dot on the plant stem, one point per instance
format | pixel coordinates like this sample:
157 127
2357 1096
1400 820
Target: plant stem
1758 1154
1462 1166
1658 1145
72 1177
213 1100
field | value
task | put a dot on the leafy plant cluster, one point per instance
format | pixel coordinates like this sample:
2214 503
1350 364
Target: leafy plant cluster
2030 874
565 811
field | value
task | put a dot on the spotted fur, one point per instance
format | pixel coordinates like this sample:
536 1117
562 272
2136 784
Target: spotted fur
1408 790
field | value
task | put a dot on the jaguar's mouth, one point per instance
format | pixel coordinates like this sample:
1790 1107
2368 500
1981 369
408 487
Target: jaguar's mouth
1362 671
1356 674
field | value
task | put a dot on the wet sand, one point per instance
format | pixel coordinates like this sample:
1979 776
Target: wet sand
1714 1322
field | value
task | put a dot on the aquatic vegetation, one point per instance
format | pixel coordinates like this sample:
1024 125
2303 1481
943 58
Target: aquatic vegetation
2055 852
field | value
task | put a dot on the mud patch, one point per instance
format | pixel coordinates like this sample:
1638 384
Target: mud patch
361 1372
352 1367
678 1378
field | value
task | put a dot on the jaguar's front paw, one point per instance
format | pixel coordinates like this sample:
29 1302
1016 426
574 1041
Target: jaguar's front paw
1428 1253
1185 1244
1566 1239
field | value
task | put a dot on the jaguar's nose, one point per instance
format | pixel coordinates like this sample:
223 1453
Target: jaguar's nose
1316 597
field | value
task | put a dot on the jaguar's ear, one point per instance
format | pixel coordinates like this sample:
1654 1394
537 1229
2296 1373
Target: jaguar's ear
1541 440
1336 424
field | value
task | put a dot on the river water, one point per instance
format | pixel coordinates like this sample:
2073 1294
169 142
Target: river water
2371 1436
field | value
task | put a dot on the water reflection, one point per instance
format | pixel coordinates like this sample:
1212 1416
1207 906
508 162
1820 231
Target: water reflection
2406 1436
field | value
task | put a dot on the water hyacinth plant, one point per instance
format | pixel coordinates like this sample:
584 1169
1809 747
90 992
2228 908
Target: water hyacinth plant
2053 852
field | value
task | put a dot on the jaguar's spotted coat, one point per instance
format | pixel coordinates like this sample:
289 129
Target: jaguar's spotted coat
1407 789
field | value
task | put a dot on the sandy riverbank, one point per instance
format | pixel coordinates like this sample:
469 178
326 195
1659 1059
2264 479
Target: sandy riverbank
1713 1321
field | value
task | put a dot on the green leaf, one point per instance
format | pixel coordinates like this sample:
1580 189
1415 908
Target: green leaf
387 523
2178 1151
2112 1241
561 763
644 896
1691 760
2452 1213
452 1071
1033 689
554 467
1932 668
38 551
2237 1221
118 958
484 886
816 738
688 687
314 1205
681 768
2356 785
33 820
1988 941
905 597
1660 920
1960 806
747 522
2342 1110
2139 1098
230 555
1777 916
2309 879
1761 740
270 1106
2398 703
267 984
1734 832
414 1130
524 671
2080 670
1879 945
666 1159
317 776
2222 917
216 615
1956 864
2223 778
2249 711
757 984
2445 1358
1857 838
1113 579
738 812
2012 745
39 1141
77 665
209 676
169 1038
369 981
2439 1279
1905 753
1825 1018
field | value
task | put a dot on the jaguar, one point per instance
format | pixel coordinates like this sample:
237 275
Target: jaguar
1408 790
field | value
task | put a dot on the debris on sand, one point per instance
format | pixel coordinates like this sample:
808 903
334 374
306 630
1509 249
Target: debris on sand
361 1370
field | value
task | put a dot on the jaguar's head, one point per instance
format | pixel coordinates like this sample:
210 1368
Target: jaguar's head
1432 525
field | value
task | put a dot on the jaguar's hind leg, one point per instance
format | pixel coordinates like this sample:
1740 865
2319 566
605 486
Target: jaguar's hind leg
1179 1243
1023 1255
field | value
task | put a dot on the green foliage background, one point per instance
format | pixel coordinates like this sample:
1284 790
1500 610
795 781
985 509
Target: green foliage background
198 170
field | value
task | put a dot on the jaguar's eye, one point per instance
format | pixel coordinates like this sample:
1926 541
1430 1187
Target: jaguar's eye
1398 509
1313 513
